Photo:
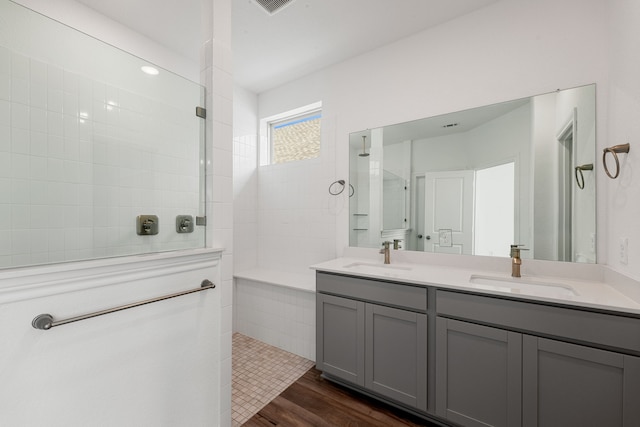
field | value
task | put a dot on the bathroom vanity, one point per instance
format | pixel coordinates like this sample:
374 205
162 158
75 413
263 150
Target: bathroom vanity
471 349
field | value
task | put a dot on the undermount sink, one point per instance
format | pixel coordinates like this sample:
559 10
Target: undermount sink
524 285
381 267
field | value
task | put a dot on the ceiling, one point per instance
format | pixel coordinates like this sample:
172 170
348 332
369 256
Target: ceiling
302 37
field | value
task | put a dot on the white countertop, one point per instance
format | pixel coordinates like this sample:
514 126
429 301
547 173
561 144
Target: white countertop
604 292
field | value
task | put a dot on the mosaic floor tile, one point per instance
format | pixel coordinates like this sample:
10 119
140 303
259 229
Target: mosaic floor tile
260 373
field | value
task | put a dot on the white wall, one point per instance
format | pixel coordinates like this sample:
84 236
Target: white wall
149 365
452 149
509 50
619 199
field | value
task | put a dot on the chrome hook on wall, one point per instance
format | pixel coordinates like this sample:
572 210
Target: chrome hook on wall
579 176
622 148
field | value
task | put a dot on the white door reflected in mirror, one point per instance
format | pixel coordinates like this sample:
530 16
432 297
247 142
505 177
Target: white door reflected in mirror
449 211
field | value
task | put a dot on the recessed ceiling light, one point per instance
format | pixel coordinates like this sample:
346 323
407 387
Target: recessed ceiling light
152 71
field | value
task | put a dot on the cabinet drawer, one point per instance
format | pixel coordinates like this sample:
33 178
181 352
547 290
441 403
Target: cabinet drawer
602 329
386 293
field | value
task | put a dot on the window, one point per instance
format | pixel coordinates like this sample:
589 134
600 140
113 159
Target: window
294 135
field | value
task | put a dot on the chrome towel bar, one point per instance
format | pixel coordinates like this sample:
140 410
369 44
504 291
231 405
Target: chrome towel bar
46 322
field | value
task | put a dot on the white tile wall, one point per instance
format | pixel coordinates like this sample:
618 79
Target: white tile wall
284 221
296 215
282 317
216 76
285 218
80 159
245 192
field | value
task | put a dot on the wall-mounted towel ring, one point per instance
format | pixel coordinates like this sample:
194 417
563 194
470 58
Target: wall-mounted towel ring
622 148
340 182
579 176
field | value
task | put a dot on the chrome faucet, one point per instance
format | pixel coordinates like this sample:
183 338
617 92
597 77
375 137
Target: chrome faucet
386 252
516 261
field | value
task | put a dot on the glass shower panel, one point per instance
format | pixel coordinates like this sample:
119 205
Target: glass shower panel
88 142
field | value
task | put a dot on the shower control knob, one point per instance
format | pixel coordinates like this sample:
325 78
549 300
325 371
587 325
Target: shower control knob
184 224
147 225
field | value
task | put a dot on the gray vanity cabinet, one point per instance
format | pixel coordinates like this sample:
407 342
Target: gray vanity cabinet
482 360
396 354
566 384
564 366
478 376
488 376
340 337
373 334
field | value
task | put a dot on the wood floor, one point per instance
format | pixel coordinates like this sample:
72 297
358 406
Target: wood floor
314 401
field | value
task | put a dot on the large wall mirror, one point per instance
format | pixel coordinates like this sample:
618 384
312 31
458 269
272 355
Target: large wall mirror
477 181
88 142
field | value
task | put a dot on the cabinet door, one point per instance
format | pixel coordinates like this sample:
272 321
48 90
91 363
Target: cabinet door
478 374
572 385
396 354
340 337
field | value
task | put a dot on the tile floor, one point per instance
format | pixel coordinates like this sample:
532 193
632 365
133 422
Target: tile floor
260 373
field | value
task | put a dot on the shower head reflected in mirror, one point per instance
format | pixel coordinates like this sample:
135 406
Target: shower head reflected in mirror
364 147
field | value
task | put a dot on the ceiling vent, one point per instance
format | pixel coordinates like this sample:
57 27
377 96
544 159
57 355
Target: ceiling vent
272 6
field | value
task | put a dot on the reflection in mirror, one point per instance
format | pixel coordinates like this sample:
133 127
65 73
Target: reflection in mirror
393 203
476 181
88 142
